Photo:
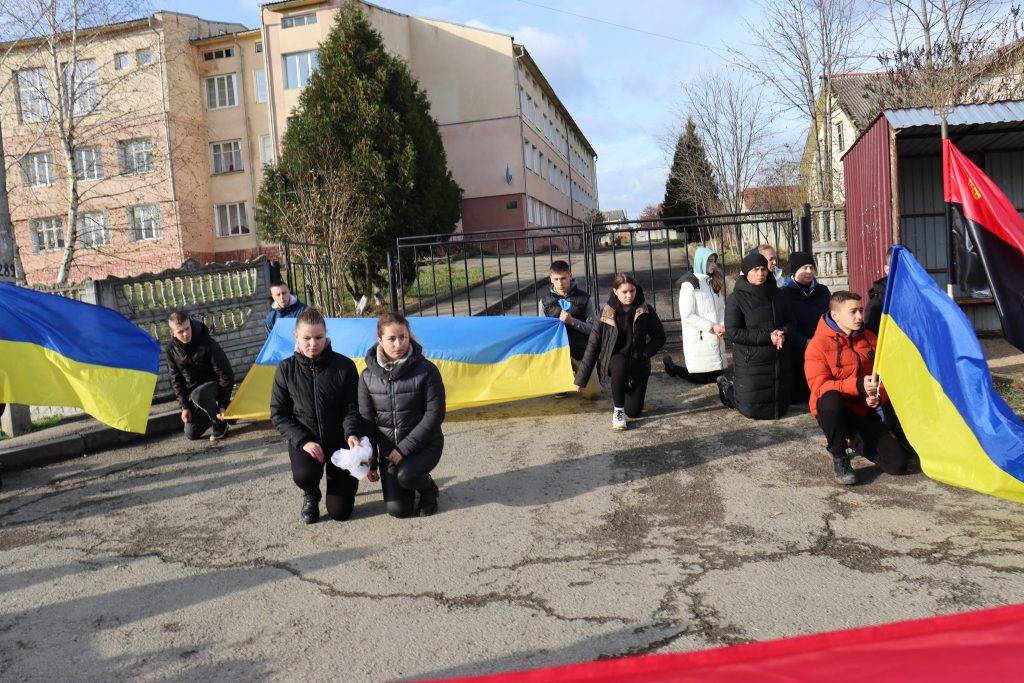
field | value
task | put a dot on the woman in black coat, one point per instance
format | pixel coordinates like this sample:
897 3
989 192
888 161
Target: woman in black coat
401 399
313 404
808 301
621 346
757 322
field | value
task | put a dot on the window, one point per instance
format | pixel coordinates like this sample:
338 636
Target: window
512 204
47 234
227 156
527 154
218 54
37 169
144 222
33 91
143 56
220 92
231 220
541 166
267 150
259 48
92 229
136 156
83 86
839 136
297 68
261 85
298 20
88 163
121 61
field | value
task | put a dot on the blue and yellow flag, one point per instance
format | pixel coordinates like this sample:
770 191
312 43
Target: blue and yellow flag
483 360
61 352
938 379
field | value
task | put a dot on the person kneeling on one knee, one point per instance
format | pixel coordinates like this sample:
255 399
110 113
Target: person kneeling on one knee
845 394
621 346
314 405
402 401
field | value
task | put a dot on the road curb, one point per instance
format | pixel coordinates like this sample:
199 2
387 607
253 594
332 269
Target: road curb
90 439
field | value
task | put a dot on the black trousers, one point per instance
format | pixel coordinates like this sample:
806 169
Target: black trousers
203 404
629 388
341 486
698 377
871 438
400 483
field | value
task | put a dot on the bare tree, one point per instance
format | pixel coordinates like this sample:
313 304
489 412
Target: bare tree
949 52
328 224
798 45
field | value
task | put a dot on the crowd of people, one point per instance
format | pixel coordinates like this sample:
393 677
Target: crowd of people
792 342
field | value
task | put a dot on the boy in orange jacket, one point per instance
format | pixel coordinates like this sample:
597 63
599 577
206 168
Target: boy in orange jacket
845 392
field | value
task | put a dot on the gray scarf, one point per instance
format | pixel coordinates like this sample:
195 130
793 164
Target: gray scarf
391 365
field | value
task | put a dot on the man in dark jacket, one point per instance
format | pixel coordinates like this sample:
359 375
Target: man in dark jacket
286 304
808 301
876 297
201 376
574 307
757 322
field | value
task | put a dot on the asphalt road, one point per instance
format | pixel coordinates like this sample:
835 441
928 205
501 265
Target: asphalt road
558 541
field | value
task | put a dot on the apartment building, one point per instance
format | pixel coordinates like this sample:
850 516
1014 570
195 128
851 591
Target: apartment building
178 115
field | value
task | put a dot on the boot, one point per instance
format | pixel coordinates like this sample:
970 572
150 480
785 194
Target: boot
724 390
671 369
428 501
843 470
310 508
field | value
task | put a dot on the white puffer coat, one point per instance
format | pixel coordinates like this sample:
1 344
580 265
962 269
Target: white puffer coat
699 309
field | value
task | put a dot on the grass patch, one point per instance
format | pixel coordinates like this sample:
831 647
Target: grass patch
38 425
1012 393
434 280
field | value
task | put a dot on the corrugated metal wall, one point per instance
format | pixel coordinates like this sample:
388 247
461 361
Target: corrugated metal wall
867 176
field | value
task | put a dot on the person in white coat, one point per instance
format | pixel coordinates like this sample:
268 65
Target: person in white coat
702 317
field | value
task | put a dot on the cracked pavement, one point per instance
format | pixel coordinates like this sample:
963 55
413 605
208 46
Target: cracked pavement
558 541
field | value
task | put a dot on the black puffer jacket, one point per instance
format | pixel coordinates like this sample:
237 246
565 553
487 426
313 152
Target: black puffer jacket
316 400
807 305
198 362
876 297
404 408
648 338
762 381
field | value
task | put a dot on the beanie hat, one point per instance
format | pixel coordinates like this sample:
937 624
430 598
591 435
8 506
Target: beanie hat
753 260
799 259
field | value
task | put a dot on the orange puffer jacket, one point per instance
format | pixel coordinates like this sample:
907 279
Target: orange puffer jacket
834 361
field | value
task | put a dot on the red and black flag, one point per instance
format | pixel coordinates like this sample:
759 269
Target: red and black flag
988 236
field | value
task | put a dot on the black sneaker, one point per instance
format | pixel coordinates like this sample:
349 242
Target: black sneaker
220 430
844 470
310 508
724 387
428 501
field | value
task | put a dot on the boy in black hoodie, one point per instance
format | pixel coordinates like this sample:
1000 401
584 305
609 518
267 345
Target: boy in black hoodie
201 376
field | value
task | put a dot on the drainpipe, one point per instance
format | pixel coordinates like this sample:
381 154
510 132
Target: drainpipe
271 106
167 136
251 169
516 56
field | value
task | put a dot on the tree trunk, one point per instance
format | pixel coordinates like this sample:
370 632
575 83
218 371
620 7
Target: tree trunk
71 232
8 253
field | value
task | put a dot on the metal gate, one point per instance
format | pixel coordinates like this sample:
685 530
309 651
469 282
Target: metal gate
505 272
312 275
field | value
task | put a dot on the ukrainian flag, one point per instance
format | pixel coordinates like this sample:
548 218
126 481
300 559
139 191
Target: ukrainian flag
483 360
61 352
938 380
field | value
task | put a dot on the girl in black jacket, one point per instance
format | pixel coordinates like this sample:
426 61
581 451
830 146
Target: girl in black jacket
621 346
314 404
401 399
808 301
757 322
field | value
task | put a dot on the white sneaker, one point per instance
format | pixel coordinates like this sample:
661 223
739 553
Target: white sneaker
618 419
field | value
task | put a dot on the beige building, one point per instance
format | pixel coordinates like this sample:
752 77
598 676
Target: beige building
177 115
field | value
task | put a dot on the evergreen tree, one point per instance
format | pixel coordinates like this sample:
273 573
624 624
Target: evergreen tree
363 115
691 189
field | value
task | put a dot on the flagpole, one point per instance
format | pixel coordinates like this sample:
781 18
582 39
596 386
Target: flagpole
949 226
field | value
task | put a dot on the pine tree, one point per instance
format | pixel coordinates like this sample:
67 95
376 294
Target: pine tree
363 115
691 189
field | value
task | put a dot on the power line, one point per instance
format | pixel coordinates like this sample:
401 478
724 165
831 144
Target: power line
612 23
